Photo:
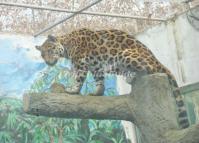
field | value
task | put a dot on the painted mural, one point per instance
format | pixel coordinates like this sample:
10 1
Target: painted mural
21 71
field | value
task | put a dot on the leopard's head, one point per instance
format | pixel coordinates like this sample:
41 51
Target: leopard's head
51 50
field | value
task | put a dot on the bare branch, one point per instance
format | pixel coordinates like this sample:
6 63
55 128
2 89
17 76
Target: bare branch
74 106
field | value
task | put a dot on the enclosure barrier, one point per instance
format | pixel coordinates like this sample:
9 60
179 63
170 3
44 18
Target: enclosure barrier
66 18
83 12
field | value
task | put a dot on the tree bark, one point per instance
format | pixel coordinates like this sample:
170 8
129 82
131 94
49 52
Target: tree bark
150 106
74 106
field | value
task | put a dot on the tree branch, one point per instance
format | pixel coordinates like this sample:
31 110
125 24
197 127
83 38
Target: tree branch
74 106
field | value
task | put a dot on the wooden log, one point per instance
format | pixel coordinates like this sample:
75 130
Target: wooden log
150 106
75 106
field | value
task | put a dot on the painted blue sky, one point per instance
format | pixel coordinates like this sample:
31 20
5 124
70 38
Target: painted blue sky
19 63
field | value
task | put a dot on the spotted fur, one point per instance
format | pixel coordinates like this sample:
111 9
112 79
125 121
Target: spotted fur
107 51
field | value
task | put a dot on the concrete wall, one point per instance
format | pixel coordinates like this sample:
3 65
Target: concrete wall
176 45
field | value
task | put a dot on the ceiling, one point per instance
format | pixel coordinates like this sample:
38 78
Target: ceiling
32 16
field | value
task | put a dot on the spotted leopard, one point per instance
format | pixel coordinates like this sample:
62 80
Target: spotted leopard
107 51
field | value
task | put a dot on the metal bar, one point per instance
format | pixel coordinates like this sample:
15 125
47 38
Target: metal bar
84 12
189 88
66 18
176 14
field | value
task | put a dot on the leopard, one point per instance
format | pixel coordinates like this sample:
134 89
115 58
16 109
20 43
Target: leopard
107 51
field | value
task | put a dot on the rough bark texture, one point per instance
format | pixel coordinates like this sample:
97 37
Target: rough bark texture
150 106
74 106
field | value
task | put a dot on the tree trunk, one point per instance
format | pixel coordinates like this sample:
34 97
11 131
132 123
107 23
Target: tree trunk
60 135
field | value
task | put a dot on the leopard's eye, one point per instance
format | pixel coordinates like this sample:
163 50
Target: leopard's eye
53 47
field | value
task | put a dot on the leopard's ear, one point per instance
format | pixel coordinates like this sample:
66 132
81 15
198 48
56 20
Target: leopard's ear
38 48
52 38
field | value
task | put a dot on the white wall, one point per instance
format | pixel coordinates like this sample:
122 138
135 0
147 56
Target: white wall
176 45
189 42
129 128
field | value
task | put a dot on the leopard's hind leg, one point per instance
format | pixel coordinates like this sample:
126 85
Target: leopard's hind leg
99 80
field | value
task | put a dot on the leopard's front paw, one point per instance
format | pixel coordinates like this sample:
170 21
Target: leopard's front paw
57 88
99 90
72 90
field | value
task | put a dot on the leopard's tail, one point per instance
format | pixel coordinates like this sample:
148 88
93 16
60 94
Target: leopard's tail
182 113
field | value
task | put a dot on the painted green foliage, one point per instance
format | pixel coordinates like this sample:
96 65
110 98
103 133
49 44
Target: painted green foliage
18 127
